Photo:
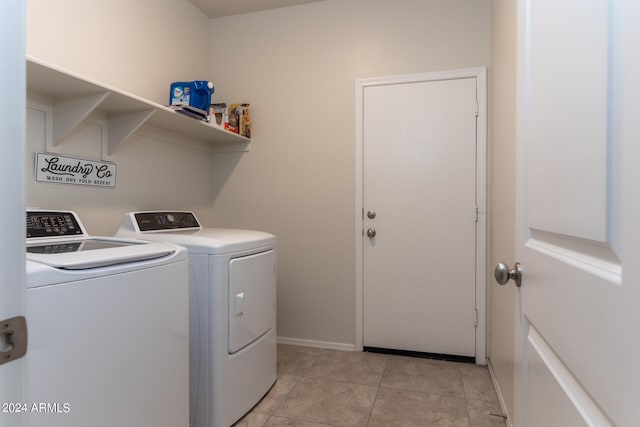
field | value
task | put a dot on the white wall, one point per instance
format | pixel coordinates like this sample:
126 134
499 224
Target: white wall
502 135
139 47
297 67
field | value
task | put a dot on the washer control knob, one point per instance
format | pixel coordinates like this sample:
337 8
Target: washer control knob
171 219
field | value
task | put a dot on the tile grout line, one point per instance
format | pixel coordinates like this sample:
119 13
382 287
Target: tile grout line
464 391
373 404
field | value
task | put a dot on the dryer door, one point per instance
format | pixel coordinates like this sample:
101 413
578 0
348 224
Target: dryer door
252 298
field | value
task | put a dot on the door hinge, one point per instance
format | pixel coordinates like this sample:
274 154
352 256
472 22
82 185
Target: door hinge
13 339
477 108
476 214
475 317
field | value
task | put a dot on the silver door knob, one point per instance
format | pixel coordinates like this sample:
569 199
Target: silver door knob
371 214
503 274
371 232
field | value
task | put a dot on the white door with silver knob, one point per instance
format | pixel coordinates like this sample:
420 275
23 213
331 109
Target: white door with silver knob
578 211
417 225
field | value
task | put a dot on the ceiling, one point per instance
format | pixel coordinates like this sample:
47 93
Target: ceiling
219 8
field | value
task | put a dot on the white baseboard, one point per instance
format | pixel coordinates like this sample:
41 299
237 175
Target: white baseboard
496 386
317 344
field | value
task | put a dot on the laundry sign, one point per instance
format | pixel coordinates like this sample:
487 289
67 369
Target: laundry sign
59 169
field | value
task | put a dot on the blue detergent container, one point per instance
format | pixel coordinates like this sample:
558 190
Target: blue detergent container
196 94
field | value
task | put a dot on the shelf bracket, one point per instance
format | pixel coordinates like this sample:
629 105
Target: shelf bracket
122 126
68 113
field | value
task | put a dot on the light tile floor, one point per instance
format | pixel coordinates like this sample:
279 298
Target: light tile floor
331 388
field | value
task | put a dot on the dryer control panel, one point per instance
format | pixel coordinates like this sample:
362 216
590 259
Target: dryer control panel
157 221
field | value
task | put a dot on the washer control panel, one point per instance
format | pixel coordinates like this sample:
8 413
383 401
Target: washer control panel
52 224
157 221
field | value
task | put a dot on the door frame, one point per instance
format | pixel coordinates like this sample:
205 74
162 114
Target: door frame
12 252
480 74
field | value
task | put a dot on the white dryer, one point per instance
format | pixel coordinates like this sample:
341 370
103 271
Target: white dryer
232 318
108 328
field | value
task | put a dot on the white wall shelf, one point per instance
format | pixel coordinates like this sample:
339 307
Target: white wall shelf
75 98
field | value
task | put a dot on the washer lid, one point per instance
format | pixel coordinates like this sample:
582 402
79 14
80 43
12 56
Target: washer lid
58 239
94 252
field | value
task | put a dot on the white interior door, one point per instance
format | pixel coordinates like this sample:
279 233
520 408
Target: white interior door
578 213
12 129
419 197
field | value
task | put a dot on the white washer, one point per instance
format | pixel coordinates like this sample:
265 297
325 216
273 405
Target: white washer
108 328
232 311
